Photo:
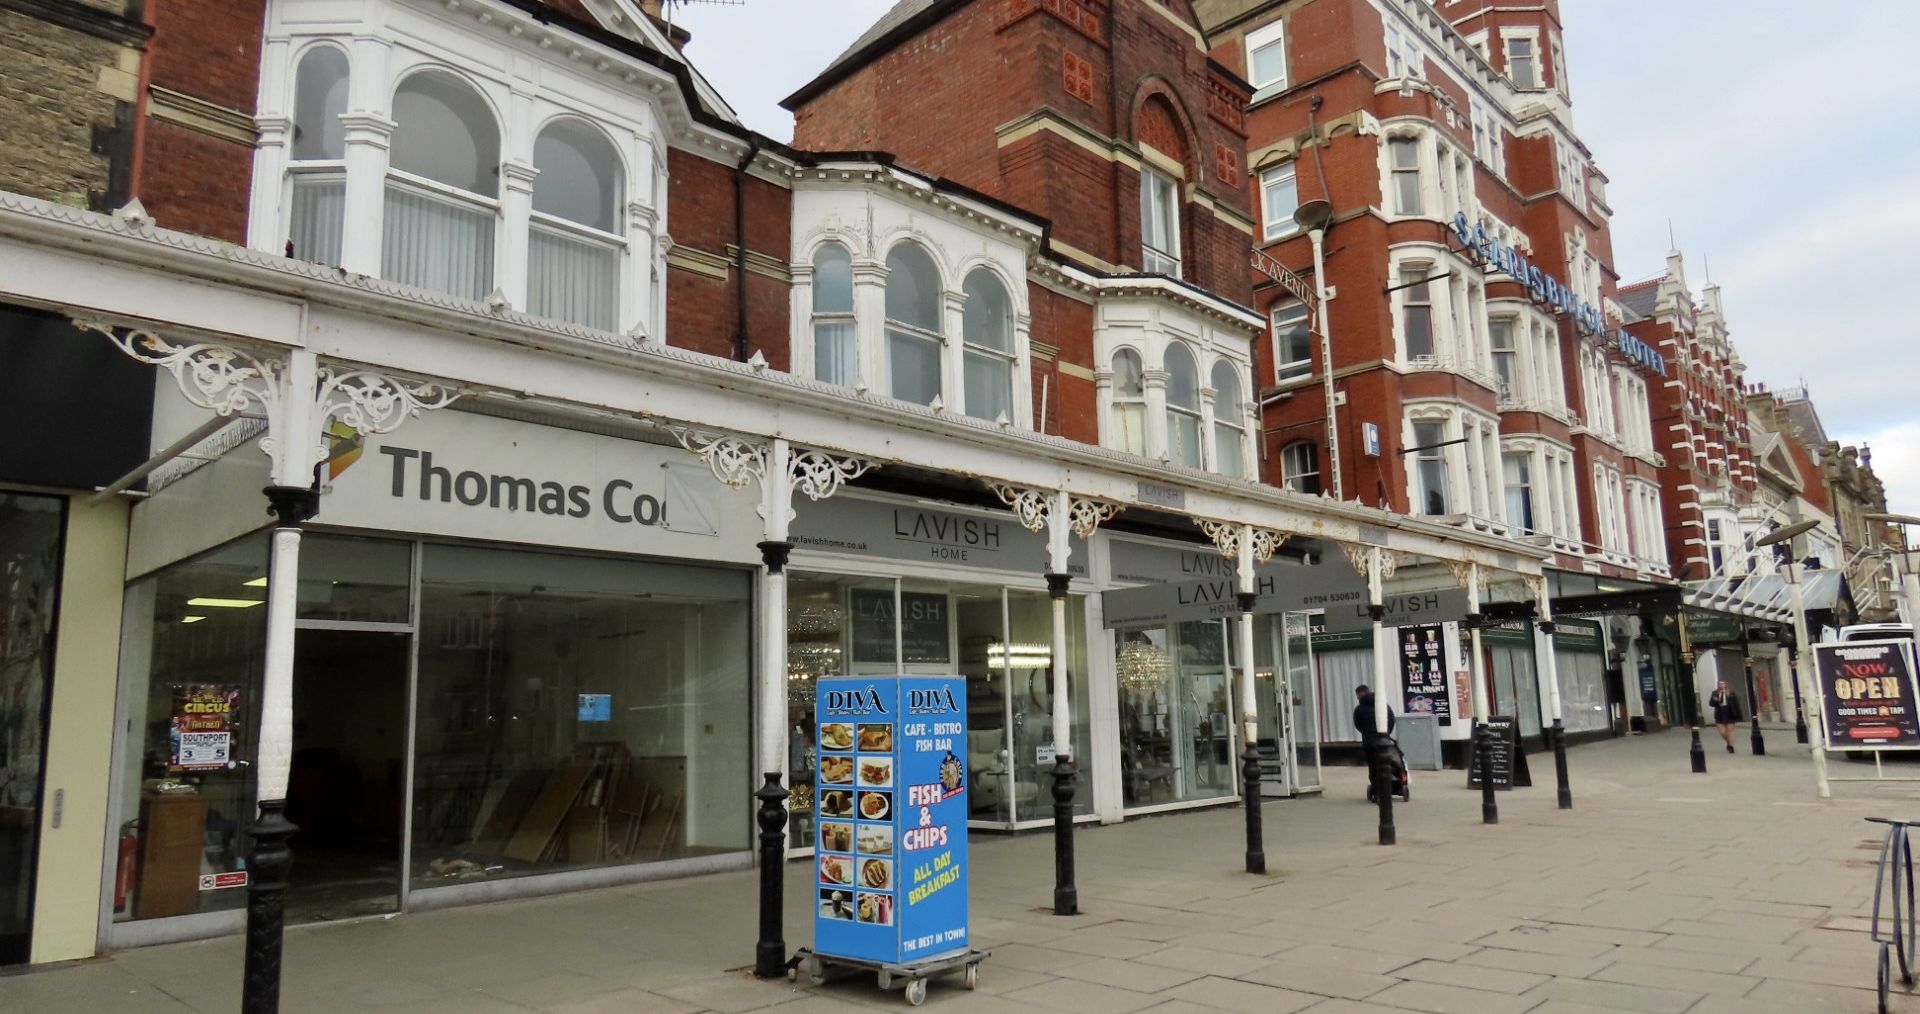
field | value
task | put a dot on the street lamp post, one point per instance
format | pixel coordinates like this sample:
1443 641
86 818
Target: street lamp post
1800 644
1315 217
1759 744
1696 755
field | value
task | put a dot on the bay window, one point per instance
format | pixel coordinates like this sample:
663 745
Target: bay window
1506 359
1184 443
442 188
1129 403
1159 224
573 242
1416 312
1519 484
913 325
835 360
987 332
1403 156
1292 340
1430 468
317 175
1229 421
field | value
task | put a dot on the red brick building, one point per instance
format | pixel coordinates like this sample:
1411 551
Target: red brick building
1480 371
1699 419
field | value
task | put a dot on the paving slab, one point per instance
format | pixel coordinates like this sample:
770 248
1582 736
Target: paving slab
1244 997
1616 995
1493 980
1306 977
1438 999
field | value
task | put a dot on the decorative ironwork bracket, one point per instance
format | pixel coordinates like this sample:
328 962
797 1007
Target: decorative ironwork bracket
1088 515
1031 506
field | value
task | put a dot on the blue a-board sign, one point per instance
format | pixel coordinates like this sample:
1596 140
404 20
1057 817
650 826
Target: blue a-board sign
890 814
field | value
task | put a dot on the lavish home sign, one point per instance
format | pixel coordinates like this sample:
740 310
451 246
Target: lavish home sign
1868 695
891 818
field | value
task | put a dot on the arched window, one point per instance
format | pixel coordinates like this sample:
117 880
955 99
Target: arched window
1129 403
445 172
987 327
1300 467
1229 421
317 179
834 358
573 246
1183 408
913 325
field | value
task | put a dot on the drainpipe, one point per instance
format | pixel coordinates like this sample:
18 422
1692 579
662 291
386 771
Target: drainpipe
740 247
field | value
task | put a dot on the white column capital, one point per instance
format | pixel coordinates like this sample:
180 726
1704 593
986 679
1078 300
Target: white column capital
367 128
518 176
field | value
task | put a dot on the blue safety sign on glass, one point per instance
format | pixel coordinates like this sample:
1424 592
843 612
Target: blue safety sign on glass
596 707
890 817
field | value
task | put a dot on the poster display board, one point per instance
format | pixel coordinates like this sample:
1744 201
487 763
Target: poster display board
1509 761
1868 695
205 718
890 818
1423 673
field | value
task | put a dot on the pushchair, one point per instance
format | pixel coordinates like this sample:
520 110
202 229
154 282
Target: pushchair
1402 781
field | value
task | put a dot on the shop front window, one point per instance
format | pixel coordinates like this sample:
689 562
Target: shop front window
577 712
1177 738
999 640
29 587
199 627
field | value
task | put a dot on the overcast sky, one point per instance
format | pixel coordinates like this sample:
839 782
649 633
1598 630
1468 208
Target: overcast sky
1781 147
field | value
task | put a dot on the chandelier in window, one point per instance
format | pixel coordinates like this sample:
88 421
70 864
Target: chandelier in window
1141 666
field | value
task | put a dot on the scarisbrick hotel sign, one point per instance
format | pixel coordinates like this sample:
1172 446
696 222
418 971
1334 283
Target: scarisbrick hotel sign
1550 290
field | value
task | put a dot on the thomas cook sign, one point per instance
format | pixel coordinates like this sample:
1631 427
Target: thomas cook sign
473 476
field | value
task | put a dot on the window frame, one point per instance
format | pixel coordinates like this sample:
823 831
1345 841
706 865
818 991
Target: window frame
1407 287
1155 186
1295 474
1197 412
1124 403
893 326
1285 368
817 318
1425 455
1273 229
1532 40
1260 40
1527 522
1233 419
1008 358
1415 170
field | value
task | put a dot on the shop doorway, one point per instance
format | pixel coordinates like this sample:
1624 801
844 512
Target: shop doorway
347 785
30 539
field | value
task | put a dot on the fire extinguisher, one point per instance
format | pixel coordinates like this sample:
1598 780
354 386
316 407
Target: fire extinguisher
125 873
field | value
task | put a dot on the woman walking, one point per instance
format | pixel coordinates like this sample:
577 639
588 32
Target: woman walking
1726 711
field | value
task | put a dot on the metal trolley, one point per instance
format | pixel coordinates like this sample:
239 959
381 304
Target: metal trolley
912 976
1895 877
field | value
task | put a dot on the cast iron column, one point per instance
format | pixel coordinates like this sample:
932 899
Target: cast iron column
770 951
1482 736
269 860
1250 754
1557 733
1066 897
1753 705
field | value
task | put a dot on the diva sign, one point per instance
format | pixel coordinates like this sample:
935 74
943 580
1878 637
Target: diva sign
1868 695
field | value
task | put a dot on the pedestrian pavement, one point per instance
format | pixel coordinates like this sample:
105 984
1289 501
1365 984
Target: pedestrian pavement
1662 890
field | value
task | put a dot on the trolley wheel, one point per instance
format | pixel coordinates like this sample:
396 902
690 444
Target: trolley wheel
973 976
885 979
816 971
793 974
917 992
1406 793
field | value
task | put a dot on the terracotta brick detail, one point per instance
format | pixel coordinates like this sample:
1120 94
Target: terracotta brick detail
1226 164
1076 76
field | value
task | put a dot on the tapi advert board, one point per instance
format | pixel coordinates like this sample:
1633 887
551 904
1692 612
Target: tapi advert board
1509 761
890 818
1868 695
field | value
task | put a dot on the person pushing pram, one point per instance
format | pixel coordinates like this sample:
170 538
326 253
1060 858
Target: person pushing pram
1363 723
